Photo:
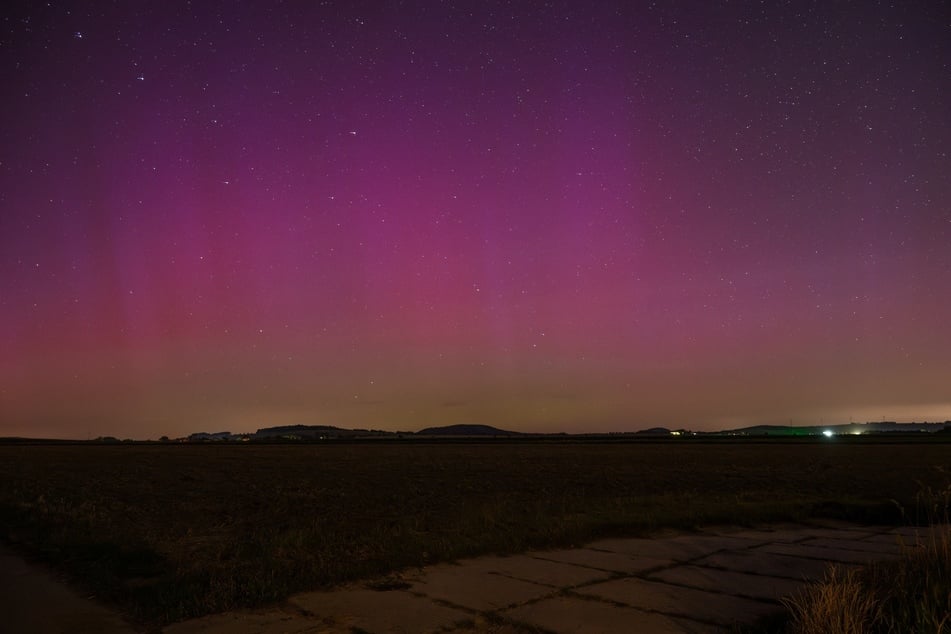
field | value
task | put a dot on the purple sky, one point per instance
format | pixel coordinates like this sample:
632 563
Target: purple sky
560 216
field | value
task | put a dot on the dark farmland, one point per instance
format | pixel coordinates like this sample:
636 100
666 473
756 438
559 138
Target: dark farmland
172 531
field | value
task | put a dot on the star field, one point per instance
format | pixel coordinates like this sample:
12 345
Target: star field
539 216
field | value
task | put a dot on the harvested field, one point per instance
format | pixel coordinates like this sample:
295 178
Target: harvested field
173 531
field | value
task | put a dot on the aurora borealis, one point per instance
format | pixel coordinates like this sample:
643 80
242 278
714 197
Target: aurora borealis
557 216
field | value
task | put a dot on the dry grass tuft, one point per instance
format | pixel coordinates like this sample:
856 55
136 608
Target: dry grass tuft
839 604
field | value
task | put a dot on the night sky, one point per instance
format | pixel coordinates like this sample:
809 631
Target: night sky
559 216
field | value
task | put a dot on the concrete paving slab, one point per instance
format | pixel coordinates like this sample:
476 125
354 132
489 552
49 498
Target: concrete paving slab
480 625
695 627
923 533
601 560
35 601
396 611
537 570
838 555
890 538
767 535
474 589
764 563
819 522
733 529
679 601
837 533
803 532
738 583
574 615
680 549
276 622
800 532
864 545
700 545
640 547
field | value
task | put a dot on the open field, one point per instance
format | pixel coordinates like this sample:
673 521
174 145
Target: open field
172 531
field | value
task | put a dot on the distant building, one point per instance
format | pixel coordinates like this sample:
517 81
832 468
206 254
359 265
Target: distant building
202 436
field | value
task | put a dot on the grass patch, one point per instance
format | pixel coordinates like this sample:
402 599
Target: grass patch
172 532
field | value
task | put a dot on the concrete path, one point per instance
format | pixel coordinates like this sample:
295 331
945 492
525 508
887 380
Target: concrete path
675 583
696 583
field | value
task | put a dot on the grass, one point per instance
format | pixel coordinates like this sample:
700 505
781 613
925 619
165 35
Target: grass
909 595
171 532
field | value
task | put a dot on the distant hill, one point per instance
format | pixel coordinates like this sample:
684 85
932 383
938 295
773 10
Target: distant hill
837 429
466 430
654 431
314 432
778 430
